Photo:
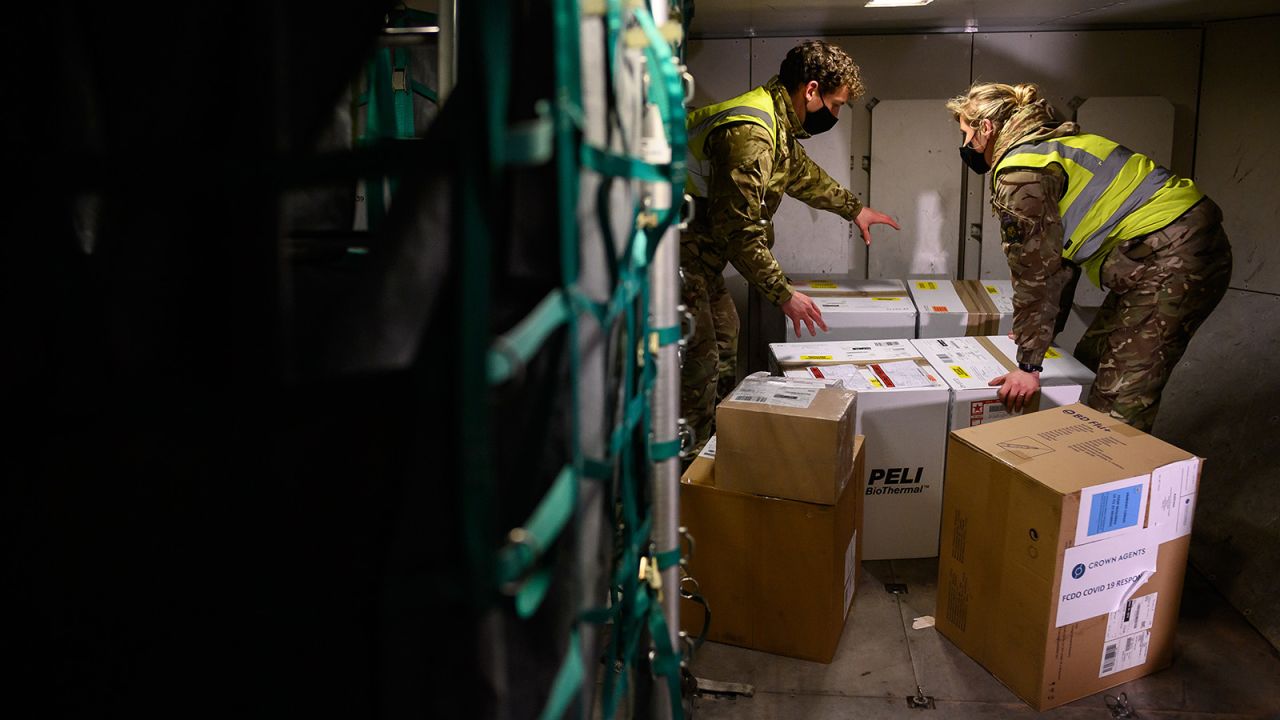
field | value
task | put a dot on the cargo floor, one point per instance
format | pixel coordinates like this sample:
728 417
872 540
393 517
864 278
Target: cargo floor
1222 667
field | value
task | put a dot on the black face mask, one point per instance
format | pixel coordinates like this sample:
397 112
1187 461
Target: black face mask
974 159
820 120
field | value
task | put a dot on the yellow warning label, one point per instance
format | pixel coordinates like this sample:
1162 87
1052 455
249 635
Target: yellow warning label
927 285
888 299
823 285
816 357
993 289
959 371
1052 354
876 383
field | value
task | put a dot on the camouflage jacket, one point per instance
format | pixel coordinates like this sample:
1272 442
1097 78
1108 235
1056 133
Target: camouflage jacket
748 178
1025 200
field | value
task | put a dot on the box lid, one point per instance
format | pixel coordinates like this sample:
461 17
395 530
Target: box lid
1071 448
819 285
841 352
969 363
796 397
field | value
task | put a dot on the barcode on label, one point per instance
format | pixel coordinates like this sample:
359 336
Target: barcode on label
885 344
946 359
1109 658
751 398
785 396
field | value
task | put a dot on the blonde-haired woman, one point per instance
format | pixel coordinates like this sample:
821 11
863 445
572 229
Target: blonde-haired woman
1070 202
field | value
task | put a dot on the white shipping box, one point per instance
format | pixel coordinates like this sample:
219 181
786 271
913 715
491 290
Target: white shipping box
967 364
958 308
856 309
902 409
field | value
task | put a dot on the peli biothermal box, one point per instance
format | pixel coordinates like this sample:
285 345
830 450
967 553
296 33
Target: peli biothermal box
902 410
1064 546
856 309
957 308
968 364
780 574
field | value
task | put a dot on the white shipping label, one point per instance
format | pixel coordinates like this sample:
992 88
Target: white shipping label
850 375
850 571
775 394
986 411
970 364
1173 499
1135 615
1099 576
1124 653
903 374
709 450
1111 509
842 351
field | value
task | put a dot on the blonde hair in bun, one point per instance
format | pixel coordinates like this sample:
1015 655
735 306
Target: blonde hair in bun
992 101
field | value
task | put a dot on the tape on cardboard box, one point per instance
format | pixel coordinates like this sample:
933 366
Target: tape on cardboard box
984 318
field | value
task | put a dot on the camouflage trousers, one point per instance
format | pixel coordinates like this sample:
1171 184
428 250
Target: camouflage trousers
1163 286
710 358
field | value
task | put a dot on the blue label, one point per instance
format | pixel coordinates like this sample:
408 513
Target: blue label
1115 509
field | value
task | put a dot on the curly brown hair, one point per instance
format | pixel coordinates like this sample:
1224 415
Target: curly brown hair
818 60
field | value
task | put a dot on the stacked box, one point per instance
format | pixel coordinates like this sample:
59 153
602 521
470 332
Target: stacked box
778 574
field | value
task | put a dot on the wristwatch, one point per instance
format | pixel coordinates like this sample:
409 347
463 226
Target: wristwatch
1028 367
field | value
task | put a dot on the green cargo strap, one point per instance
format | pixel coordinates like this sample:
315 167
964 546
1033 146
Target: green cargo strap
513 350
634 414
667 560
623 166
568 681
425 92
528 543
403 96
666 450
668 335
532 141
597 469
666 661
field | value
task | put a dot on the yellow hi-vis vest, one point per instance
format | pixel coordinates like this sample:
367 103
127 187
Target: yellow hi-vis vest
1113 194
755 106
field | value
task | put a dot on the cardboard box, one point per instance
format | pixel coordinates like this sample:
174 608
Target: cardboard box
788 438
855 309
779 575
902 408
1064 546
968 364
958 308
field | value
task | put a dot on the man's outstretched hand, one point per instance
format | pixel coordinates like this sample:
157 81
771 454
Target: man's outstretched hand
868 217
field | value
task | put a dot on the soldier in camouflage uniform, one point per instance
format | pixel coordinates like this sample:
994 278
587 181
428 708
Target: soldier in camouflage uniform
1158 246
743 156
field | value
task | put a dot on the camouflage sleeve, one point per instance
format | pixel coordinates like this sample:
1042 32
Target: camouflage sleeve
811 185
741 161
1026 202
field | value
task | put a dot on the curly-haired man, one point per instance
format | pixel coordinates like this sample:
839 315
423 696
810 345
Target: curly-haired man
743 156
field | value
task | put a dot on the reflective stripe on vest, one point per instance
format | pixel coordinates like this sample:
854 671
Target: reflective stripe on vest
755 107
1112 194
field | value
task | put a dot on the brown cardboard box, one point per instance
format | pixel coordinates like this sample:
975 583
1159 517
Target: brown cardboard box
779 575
1052 525
787 438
